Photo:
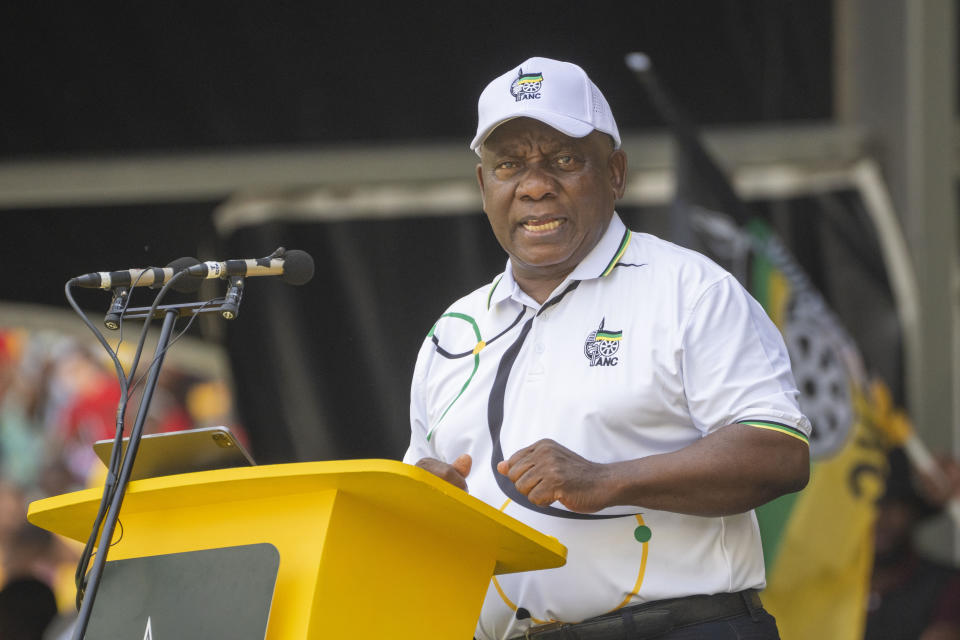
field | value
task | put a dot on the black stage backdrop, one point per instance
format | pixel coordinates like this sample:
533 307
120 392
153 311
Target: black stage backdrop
99 77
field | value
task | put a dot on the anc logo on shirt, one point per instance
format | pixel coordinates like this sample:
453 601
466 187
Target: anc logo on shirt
602 345
526 86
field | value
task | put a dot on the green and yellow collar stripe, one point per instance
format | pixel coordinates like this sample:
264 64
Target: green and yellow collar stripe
776 426
624 243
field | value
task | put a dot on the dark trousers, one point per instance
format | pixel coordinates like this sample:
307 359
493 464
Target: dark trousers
730 616
741 627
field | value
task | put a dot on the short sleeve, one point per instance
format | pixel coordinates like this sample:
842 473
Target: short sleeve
735 363
420 446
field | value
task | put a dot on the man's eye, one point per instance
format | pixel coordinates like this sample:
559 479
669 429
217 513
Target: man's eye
506 164
565 160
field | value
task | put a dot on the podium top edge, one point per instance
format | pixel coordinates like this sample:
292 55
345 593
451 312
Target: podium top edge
386 483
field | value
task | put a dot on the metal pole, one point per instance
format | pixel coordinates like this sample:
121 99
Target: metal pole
106 535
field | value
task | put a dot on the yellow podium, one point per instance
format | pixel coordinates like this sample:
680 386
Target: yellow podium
368 548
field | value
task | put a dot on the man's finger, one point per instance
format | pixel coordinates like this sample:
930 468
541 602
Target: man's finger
521 453
444 471
462 464
540 495
527 481
509 467
519 468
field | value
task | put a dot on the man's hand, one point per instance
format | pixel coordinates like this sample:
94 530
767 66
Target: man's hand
455 474
547 472
940 484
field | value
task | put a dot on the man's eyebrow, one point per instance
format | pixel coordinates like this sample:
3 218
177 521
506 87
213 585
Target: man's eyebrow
518 148
506 147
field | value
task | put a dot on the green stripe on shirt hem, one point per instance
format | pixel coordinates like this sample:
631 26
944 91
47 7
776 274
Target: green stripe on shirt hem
776 426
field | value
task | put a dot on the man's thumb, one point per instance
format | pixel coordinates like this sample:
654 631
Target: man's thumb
462 464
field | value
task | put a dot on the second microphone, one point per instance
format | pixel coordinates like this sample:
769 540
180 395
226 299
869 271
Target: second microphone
294 266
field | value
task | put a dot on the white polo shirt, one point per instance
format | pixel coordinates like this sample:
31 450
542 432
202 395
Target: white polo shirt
644 349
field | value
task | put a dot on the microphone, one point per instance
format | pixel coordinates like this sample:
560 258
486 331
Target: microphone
149 277
232 298
112 319
294 266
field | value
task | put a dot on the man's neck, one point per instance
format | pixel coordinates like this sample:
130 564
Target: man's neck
538 288
539 293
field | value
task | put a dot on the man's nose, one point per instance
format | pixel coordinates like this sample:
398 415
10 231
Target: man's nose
536 184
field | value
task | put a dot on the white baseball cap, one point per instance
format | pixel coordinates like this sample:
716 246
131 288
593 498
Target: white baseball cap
557 93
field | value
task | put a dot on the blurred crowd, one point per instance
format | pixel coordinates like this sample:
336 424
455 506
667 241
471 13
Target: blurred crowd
57 397
912 595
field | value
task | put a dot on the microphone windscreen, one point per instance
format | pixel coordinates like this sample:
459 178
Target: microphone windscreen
297 267
185 284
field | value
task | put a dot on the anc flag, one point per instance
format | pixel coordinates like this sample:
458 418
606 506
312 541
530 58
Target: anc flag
818 543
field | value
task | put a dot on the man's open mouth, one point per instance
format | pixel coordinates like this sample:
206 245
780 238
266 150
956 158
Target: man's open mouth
548 224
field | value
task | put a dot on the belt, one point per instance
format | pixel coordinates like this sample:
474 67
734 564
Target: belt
652 619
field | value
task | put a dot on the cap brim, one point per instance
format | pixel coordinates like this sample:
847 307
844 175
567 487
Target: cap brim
564 124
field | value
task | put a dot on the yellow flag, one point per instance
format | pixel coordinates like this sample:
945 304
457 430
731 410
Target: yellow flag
818 583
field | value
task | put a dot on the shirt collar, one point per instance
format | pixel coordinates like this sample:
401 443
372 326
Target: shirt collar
599 263
603 258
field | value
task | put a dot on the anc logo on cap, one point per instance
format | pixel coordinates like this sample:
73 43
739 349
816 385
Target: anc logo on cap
526 86
602 346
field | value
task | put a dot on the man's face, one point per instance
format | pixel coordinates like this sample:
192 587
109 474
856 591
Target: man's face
549 197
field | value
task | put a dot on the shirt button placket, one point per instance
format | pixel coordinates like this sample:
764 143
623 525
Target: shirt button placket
536 370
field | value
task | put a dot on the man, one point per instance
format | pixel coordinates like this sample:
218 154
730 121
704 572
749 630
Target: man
613 390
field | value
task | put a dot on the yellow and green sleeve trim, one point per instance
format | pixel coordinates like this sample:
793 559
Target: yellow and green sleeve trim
776 426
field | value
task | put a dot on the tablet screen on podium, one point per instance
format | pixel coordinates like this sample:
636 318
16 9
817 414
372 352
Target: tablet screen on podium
195 595
164 454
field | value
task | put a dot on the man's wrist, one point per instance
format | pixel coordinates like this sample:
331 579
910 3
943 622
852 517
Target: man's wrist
614 485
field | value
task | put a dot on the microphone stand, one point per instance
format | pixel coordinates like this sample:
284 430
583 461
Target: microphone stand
106 534
228 307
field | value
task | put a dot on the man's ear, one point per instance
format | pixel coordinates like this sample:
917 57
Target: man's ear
483 200
618 172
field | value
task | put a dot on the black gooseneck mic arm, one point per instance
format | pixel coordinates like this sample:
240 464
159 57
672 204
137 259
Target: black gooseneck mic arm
106 534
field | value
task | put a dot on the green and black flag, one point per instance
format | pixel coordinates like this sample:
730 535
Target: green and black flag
817 544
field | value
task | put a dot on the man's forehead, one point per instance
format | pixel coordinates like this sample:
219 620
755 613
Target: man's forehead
526 132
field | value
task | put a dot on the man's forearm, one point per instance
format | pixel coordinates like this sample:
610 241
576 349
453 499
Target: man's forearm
730 471
733 470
